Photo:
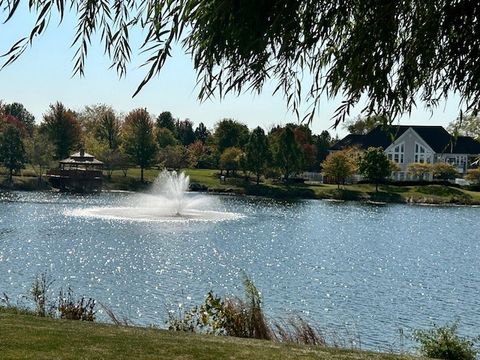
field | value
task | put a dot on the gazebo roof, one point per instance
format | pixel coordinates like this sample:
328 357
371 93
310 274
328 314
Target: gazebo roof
81 158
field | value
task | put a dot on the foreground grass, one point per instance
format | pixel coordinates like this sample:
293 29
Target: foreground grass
29 337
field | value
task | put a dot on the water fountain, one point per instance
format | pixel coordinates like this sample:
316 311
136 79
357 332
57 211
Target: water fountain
167 201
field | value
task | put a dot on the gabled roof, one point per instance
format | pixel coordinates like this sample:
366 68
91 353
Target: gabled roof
435 136
377 137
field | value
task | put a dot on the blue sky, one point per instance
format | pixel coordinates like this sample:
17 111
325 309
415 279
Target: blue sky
43 75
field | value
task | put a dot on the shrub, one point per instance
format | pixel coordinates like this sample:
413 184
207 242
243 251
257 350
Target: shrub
72 309
444 343
444 171
473 175
230 316
420 170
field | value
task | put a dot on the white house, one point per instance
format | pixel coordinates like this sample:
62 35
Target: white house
406 144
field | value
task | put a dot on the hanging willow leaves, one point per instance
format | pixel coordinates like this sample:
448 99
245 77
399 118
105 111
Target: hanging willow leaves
392 54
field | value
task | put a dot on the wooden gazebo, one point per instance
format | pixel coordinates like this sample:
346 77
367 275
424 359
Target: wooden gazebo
80 172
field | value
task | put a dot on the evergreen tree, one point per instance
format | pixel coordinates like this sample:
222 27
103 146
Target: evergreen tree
184 131
201 132
322 143
165 120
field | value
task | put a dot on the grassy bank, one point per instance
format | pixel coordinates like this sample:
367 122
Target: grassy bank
209 180
29 337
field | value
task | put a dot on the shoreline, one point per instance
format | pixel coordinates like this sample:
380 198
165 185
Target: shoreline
207 181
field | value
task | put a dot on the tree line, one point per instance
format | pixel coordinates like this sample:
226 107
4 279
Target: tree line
122 141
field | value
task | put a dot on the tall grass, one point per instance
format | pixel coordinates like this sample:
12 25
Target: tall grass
39 293
66 306
230 316
243 317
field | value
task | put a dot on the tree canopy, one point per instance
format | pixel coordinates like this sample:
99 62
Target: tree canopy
375 166
22 114
230 133
257 152
287 152
12 152
466 125
339 165
62 128
138 139
392 54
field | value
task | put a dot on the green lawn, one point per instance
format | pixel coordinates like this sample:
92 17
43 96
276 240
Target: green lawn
210 179
29 337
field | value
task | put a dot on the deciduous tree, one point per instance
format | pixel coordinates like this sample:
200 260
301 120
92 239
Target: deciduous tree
339 165
230 160
287 153
62 128
375 166
138 140
361 125
40 152
230 133
12 152
257 153
165 137
466 125
22 114
195 151
108 128
174 157
473 175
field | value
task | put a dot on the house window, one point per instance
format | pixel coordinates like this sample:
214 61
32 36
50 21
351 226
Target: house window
422 155
397 153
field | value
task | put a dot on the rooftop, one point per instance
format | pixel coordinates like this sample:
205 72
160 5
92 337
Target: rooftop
435 136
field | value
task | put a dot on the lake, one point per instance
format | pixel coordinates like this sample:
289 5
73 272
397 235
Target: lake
363 273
